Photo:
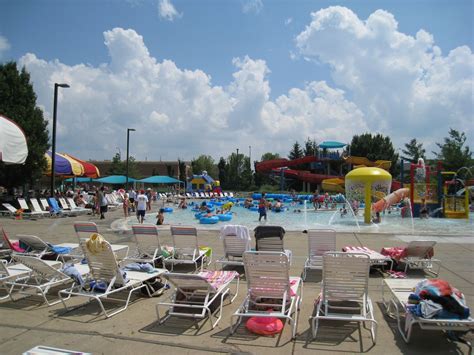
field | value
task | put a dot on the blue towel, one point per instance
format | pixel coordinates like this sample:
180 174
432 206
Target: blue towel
71 271
144 267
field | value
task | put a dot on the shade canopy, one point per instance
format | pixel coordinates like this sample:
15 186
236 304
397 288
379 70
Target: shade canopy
13 147
332 144
63 165
80 179
160 179
115 179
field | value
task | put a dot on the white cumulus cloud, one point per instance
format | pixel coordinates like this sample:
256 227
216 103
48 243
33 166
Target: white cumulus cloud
252 6
167 11
4 45
403 84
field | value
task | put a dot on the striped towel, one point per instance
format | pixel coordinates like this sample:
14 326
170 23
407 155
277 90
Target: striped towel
218 279
351 249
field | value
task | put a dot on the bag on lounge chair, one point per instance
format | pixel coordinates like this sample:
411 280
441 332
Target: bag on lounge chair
96 243
154 287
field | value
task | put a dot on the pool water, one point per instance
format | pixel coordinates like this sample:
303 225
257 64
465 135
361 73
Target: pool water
297 218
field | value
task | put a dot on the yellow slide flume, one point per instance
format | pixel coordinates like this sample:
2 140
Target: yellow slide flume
333 185
383 164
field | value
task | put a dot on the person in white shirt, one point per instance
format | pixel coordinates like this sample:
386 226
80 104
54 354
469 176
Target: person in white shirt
141 203
132 195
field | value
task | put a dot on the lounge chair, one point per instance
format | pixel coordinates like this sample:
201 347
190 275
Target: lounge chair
195 294
417 254
186 248
9 273
27 210
44 275
34 246
45 206
66 208
320 241
236 240
344 295
37 208
55 207
400 289
271 292
376 259
85 229
270 238
104 269
12 211
147 245
75 208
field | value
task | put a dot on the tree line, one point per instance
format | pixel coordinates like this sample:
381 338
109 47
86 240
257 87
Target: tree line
18 102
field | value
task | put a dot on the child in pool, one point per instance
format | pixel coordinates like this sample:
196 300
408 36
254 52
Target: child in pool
160 217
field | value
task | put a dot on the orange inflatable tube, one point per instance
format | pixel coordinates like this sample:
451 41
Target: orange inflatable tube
391 199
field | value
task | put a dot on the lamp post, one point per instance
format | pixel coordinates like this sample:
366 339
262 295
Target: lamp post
53 143
128 143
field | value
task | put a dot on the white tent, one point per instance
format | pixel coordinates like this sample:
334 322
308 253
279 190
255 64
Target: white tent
13 148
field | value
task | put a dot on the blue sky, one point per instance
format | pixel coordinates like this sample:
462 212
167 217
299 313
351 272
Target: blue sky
232 43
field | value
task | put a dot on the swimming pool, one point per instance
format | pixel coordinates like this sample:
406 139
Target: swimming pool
309 218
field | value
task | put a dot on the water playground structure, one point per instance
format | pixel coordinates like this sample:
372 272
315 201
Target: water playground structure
202 183
436 190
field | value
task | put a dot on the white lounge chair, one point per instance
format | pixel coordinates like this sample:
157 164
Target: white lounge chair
27 210
10 210
66 208
344 294
320 241
9 273
400 289
105 269
34 246
37 208
147 245
271 292
85 229
44 275
194 294
419 256
75 208
236 240
186 248
376 259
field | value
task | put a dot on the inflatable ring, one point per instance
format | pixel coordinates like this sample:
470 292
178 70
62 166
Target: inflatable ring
264 325
253 208
209 220
224 217
199 215
167 209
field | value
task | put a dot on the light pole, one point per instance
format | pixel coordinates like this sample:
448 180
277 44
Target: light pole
53 145
128 142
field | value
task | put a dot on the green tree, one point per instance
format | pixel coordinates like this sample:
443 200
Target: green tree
270 156
310 147
238 173
18 102
413 151
222 167
296 152
452 152
264 178
119 167
204 163
182 170
375 147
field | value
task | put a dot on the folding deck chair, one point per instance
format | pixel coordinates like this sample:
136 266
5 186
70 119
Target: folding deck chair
270 238
186 248
55 207
195 294
44 276
400 290
75 208
85 230
66 208
104 269
9 273
320 241
147 245
345 291
37 208
34 246
236 240
45 205
271 292
376 259
417 254
12 211
31 212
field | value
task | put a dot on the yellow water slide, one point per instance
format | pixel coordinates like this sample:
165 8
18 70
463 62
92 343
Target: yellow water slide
333 185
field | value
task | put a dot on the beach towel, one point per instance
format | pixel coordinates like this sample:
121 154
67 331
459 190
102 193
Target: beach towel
241 232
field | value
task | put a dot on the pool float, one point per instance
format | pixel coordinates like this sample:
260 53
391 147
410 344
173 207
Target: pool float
199 215
209 220
167 209
264 325
253 208
224 217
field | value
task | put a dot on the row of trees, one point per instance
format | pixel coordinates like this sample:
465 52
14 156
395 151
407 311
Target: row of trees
18 102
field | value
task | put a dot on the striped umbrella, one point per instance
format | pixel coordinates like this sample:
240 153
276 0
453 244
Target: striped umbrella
64 166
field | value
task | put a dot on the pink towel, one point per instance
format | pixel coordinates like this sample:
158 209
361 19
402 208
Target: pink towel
218 278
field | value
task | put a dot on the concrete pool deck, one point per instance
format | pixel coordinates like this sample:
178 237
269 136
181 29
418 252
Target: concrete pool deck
27 323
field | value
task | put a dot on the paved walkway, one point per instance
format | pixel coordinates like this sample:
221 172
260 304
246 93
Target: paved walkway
26 323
